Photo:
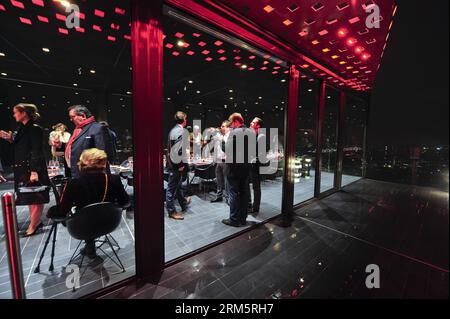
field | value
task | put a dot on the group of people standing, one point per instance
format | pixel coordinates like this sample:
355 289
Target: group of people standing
235 168
27 145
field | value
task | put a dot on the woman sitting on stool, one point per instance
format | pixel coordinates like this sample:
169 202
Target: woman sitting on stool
94 185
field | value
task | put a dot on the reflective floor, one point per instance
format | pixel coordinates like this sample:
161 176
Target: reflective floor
202 226
324 252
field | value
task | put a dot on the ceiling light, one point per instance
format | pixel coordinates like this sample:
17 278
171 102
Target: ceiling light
342 33
92 71
231 91
351 41
283 80
75 84
309 90
128 92
243 66
180 43
4 74
190 81
2 54
46 50
198 92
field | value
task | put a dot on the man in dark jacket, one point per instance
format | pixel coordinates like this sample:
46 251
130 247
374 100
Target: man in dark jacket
87 134
240 152
177 166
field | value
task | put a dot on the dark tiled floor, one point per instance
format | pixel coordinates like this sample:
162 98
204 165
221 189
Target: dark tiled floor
325 251
201 227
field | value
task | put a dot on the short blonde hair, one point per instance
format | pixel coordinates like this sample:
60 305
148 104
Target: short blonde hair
93 159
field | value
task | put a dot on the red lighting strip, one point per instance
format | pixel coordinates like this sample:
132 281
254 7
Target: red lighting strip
25 21
63 31
99 13
38 2
43 19
17 4
2 8
120 11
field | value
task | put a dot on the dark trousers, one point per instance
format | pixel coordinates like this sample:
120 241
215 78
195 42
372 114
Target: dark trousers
255 179
238 198
222 183
175 189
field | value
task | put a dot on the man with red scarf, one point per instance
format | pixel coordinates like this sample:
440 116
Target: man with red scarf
87 134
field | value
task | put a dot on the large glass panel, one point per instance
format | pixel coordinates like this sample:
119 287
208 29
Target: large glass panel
352 164
52 59
209 76
329 139
306 141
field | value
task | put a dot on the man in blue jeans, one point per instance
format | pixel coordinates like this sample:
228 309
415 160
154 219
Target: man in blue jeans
239 164
177 166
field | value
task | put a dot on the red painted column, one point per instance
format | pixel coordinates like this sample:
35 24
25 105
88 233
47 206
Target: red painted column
290 139
147 62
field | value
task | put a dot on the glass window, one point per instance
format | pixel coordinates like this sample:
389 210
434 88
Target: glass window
306 141
329 139
54 60
209 76
355 117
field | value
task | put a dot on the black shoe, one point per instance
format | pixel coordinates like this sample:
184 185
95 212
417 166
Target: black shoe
25 234
229 222
217 200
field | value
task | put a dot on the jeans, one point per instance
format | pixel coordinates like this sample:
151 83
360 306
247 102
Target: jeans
238 198
174 188
256 185
222 183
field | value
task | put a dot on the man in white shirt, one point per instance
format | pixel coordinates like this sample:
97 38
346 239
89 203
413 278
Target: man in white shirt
221 167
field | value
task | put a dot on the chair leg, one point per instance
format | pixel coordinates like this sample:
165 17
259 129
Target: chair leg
37 269
74 256
114 241
115 254
55 231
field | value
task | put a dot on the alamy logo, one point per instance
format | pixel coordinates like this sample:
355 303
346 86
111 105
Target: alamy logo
373 279
374 17
73 19
73 277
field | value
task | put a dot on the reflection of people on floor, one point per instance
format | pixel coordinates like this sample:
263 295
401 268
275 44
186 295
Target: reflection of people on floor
94 185
2 179
239 164
221 166
177 168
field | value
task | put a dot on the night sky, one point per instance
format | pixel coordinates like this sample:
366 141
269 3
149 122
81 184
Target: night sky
410 99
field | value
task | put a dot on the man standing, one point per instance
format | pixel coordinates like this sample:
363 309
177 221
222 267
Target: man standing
87 134
237 151
221 166
177 166
255 177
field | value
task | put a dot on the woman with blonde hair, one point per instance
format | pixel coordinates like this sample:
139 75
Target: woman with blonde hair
94 185
29 161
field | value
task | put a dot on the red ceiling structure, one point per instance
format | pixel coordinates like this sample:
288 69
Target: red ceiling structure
331 32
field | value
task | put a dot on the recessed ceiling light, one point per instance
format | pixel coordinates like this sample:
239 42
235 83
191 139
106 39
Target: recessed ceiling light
128 92
309 90
4 74
46 50
180 43
92 71
190 81
2 54
231 91
243 66
198 92
19 86
260 97
75 84
283 80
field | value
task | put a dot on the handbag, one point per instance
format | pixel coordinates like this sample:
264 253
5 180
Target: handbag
32 195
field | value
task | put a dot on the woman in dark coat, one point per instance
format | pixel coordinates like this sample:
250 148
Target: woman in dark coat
29 161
